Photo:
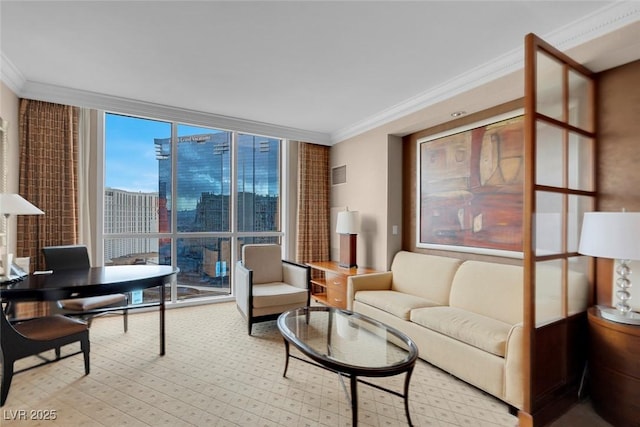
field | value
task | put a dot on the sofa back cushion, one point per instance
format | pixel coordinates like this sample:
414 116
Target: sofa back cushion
425 276
489 289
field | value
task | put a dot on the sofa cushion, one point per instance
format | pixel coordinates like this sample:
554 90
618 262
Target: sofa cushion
476 330
396 303
274 294
425 276
489 289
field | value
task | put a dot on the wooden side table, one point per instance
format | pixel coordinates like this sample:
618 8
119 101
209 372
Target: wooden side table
614 369
330 286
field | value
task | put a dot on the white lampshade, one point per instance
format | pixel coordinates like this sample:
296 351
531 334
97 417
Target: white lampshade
14 204
348 222
614 235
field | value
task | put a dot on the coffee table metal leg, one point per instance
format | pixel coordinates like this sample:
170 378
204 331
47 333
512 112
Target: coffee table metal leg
354 400
286 360
406 395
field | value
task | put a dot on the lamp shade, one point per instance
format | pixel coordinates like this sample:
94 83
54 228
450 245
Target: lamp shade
614 235
14 204
348 222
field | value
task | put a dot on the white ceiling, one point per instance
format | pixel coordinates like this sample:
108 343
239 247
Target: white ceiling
331 69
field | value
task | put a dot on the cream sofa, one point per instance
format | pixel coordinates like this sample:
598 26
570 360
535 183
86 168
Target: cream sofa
465 316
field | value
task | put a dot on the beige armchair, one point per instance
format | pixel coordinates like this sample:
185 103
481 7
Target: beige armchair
266 285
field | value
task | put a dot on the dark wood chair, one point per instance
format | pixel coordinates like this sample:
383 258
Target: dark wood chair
267 286
70 257
35 336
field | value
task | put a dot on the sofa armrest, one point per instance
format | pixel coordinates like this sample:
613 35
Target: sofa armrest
296 274
370 282
514 366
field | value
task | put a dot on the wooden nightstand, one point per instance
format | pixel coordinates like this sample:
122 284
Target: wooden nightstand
330 287
614 369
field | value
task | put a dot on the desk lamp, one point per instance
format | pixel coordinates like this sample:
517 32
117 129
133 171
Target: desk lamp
13 204
614 235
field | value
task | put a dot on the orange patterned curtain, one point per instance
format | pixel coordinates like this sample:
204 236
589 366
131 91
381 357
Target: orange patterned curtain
48 138
313 203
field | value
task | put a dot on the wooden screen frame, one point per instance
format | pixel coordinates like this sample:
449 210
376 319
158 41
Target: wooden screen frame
568 335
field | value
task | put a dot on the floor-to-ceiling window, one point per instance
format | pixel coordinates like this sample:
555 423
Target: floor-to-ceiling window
188 196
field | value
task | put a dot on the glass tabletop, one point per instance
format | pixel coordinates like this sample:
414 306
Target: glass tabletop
347 341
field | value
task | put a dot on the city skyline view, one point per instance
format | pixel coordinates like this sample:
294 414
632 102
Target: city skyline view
131 159
158 184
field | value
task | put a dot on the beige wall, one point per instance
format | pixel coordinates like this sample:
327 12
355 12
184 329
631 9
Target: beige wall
291 180
373 188
365 191
395 196
618 168
9 109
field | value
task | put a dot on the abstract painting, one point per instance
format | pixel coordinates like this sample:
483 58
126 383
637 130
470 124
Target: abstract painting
470 188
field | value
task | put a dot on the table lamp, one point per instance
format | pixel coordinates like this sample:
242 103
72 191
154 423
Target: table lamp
13 204
347 226
614 235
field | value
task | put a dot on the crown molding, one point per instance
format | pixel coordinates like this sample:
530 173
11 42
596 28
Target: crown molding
475 77
603 21
98 101
596 24
10 75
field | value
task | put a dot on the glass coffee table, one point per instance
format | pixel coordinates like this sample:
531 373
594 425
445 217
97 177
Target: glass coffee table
350 344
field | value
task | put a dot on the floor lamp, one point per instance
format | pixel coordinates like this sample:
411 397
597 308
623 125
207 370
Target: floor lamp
614 235
13 204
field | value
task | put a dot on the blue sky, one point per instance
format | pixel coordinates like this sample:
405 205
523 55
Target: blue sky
131 163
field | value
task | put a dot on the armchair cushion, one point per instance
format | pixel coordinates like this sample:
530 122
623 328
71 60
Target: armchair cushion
265 261
277 294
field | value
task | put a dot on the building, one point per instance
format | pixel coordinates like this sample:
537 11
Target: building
126 212
203 199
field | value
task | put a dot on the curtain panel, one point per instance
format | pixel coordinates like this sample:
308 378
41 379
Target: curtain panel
312 242
48 138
